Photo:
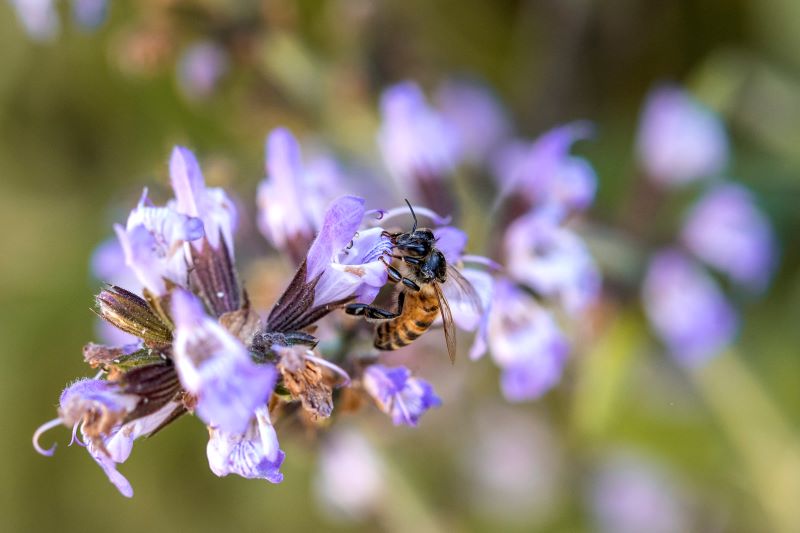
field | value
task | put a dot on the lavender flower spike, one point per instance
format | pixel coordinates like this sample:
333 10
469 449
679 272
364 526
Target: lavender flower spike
728 232
193 198
252 454
679 139
347 261
686 308
217 368
152 241
399 395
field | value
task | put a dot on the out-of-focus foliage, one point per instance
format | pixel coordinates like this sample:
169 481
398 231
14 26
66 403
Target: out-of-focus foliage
87 117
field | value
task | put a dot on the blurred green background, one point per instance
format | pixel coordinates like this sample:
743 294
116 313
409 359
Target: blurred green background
88 119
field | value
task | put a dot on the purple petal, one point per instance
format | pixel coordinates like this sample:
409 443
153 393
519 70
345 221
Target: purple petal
89 13
285 213
39 18
211 205
553 261
217 368
728 232
357 270
546 174
110 468
687 309
679 139
451 242
525 342
252 454
416 142
399 395
342 220
476 114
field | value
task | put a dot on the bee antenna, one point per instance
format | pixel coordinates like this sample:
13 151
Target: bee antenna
413 215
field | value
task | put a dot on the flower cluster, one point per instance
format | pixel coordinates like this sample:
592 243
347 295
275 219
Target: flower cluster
541 188
682 142
188 341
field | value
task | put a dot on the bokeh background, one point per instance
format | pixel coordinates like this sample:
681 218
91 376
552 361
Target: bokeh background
88 117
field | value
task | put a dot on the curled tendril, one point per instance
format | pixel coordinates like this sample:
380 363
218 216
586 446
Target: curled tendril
41 430
378 213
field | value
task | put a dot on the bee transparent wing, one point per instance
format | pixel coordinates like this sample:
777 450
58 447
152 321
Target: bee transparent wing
447 322
464 299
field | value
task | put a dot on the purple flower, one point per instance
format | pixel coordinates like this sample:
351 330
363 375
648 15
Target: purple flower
477 116
98 403
686 308
350 477
629 495
193 198
89 13
39 18
216 367
545 173
553 261
291 199
252 454
679 139
419 147
727 231
524 341
152 242
347 261
398 394
200 67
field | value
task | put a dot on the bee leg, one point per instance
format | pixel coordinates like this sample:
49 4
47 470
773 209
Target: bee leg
375 313
368 311
410 284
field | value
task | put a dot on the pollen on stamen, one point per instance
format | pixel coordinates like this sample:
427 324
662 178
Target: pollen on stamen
38 433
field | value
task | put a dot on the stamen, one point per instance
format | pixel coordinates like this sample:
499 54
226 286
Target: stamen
327 364
38 433
423 211
480 260
75 438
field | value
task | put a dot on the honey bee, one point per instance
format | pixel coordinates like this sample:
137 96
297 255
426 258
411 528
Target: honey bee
421 299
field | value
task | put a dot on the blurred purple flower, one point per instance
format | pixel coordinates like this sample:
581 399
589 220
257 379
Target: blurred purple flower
89 13
39 18
252 454
350 477
680 140
216 367
545 173
200 67
686 308
291 199
728 232
524 341
419 146
193 198
399 395
347 261
630 496
477 116
152 241
552 260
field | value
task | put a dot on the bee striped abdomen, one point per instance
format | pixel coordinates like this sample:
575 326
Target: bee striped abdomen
420 309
